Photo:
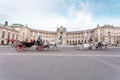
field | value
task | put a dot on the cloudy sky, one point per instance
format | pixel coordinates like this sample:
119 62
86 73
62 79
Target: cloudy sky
50 14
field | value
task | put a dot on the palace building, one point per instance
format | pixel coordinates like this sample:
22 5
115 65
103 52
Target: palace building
11 33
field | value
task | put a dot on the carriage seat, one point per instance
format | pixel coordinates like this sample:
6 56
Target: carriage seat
27 44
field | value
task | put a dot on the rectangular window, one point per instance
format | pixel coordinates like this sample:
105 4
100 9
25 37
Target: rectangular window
17 37
3 34
13 36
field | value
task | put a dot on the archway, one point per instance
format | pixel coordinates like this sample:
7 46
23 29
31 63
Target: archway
2 42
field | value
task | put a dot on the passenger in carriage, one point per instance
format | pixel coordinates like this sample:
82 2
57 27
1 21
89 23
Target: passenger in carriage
39 41
90 40
31 41
46 44
99 45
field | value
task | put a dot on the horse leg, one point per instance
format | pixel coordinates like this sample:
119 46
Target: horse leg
56 48
101 47
105 46
48 48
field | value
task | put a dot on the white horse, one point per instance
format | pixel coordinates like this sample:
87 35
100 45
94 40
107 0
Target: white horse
53 44
92 45
86 46
102 45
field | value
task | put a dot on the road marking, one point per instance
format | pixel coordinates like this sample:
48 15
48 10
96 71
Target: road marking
22 54
108 63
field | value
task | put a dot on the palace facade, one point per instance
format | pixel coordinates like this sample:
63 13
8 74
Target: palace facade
15 32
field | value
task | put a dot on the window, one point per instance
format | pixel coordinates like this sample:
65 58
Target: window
16 36
8 35
13 36
2 42
23 33
67 42
73 42
3 34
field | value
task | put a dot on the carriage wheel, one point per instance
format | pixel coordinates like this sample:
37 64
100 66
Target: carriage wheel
19 48
39 48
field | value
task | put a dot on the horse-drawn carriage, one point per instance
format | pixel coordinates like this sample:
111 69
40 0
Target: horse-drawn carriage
40 45
92 45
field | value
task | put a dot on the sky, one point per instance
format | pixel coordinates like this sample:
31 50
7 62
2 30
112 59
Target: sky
75 15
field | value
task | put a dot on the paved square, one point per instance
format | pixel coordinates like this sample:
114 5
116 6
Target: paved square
65 64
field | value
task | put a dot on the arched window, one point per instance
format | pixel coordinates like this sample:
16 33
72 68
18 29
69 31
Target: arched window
73 42
82 41
2 42
70 42
67 41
